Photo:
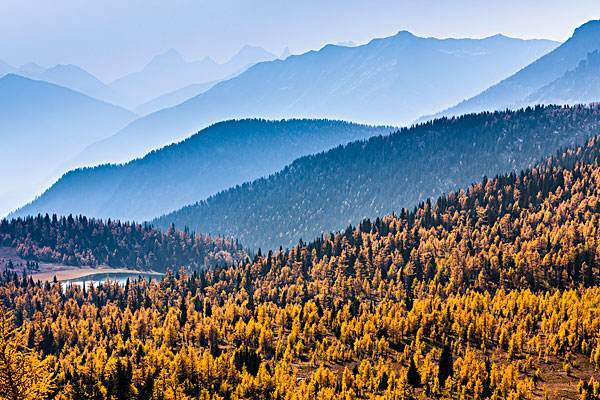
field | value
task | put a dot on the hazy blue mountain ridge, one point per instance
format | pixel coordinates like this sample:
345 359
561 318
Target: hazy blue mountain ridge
220 156
366 179
515 91
41 125
387 81
75 78
581 85
169 71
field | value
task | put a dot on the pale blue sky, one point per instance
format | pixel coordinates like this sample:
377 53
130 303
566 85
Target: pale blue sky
112 37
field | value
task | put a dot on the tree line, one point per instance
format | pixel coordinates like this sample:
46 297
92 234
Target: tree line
87 241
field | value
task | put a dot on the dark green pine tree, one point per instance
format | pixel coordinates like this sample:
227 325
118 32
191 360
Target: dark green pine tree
412 374
183 312
446 365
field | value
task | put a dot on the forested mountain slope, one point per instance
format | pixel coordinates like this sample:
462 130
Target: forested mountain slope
488 292
387 81
216 158
91 242
327 191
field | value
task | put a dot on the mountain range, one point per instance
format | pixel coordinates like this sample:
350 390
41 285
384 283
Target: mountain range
72 77
581 85
173 98
41 125
365 179
534 83
166 75
387 81
220 156
169 71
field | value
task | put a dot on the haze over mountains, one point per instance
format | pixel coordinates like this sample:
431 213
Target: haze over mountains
41 125
166 74
387 81
75 78
170 71
581 85
522 88
5 68
223 155
366 179
173 98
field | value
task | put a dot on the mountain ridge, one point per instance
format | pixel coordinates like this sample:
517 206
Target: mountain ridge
169 71
388 79
220 156
513 91
35 116
325 192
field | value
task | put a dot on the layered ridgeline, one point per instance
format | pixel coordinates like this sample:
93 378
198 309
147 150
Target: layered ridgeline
433 303
41 126
536 82
219 157
169 71
75 78
82 241
325 192
581 85
387 81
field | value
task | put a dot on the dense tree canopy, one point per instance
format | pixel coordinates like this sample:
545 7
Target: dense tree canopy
87 241
368 179
488 292
223 155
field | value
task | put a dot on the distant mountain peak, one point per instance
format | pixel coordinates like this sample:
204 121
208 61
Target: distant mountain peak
67 67
498 36
12 76
591 27
249 52
170 56
31 68
405 34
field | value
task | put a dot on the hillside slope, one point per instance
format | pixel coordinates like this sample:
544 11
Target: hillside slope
216 158
514 91
74 78
581 85
327 191
173 98
387 81
486 293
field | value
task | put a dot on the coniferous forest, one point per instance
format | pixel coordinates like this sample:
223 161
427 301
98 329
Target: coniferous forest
87 241
368 179
486 292
265 212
